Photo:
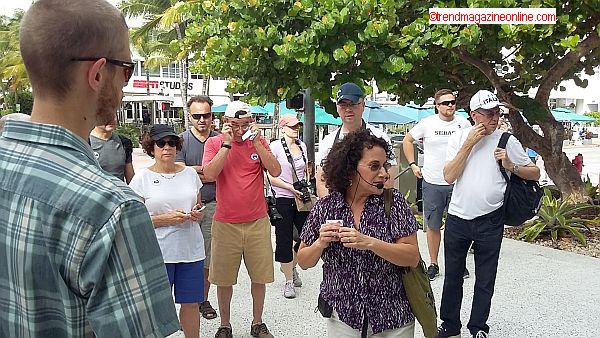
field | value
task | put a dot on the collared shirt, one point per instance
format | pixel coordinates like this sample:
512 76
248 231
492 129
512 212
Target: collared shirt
79 257
358 283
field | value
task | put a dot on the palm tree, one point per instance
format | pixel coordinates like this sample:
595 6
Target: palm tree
13 75
169 17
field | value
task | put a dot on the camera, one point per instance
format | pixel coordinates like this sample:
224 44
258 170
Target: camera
274 214
304 188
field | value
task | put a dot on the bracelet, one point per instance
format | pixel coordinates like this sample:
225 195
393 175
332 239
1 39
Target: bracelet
228 146
411 163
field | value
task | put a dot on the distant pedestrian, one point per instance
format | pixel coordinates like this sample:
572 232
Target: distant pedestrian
172 195
241 227
289 150
435 131
363 252
79 256
350 103
578 163
191 153
113 152
475 215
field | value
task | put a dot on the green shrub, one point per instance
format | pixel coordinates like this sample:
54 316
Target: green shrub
130 130
590 189
557 215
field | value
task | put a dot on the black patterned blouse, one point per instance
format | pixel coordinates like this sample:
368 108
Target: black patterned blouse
359 283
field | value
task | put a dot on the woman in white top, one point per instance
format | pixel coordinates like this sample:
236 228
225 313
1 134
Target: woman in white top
285 194
171 193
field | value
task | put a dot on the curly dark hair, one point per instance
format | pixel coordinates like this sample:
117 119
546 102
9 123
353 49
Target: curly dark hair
148 144
342 161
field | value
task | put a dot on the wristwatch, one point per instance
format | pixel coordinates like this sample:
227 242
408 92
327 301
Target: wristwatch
411 163
515 168
228 146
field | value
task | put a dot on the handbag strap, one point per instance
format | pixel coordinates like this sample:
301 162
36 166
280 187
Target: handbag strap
269 185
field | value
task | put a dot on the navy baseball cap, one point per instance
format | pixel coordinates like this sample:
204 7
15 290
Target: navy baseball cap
349 91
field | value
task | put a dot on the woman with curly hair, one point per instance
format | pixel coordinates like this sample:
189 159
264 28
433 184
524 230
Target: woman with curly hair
363 250
171 192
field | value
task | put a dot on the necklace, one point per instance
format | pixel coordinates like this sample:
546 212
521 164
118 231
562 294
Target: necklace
168 177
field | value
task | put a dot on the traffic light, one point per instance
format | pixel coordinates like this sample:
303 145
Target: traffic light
165 106
296 102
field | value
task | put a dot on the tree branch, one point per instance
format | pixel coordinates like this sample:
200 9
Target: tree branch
558 70
483 67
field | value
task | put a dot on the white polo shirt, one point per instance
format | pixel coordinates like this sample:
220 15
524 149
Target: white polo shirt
480 188
327 142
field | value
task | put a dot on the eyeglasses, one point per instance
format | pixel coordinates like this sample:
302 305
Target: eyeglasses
447 103
206 116
240 126
376 166
490 113
346 106
127 66
171 142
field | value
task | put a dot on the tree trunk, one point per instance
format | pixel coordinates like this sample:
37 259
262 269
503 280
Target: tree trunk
557 164
183 78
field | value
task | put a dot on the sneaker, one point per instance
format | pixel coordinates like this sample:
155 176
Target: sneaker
224 332
443 333
433 271
296 278
260 330
466 274
288 290
480 334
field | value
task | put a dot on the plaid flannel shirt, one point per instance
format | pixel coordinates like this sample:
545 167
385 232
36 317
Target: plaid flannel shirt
78 253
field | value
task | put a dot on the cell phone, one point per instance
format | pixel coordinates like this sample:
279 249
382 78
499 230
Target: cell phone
202 207
335 221
249 134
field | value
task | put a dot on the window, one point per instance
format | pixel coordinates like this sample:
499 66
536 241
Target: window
153 72
171 71
196 76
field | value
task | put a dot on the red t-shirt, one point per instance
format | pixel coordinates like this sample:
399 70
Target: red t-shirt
240 185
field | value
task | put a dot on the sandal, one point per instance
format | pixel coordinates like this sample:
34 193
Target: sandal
207 310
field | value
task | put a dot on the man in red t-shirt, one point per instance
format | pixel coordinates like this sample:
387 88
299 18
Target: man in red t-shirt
241 226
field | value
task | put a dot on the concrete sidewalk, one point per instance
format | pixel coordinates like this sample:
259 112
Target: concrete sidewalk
540 292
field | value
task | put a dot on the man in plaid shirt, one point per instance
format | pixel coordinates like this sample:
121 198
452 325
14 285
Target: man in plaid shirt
78 253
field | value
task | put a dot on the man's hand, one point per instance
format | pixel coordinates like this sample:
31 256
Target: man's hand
475 135
255 130
227 133
501 155
416 171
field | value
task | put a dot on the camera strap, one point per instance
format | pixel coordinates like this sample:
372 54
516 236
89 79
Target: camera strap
265 174
291 159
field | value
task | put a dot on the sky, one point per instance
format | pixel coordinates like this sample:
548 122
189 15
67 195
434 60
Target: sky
7 7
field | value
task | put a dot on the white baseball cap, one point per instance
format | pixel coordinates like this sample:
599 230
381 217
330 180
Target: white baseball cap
484 99
238 110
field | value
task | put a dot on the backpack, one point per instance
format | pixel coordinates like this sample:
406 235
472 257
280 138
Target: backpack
416 284
522 198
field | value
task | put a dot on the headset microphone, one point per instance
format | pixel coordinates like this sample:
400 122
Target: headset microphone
378 185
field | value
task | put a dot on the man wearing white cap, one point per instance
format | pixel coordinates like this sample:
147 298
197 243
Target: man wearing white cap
350 103
241 226
475 215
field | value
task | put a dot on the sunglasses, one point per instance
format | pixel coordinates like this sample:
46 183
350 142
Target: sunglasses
171 142
447 103
376 166
128 66
206 116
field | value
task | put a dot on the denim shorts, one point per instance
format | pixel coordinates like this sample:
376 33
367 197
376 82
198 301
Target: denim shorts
188 279
435 199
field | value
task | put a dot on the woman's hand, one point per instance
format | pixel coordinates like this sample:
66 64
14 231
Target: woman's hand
352 238
196 214
328 233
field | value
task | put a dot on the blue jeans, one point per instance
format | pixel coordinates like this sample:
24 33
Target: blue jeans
485 233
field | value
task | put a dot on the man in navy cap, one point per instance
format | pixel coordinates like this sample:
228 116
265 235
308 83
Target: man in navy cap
350 104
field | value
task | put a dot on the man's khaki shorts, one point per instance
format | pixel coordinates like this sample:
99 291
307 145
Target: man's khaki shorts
231 242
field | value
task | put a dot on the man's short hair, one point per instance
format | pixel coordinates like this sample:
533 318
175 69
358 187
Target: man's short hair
441 93
53 32
200 99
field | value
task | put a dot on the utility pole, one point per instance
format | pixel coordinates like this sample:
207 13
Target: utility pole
309 124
